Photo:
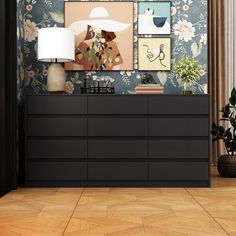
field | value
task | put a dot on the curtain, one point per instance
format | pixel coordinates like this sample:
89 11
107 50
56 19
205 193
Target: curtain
231 43
217 65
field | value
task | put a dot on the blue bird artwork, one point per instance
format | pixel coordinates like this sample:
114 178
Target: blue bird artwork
154 19
159 21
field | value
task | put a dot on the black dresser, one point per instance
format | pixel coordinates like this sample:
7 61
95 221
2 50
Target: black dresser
117 140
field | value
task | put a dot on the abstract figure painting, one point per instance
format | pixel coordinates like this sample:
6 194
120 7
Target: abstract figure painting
154 18
154 54
104 35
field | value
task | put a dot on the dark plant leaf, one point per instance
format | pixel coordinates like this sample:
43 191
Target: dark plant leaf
228 134
232 99
218 131
228 144
233 121
226 111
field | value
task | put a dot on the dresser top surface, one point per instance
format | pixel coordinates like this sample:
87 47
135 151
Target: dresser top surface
122 95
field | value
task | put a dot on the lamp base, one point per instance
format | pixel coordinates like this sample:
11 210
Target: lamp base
56 81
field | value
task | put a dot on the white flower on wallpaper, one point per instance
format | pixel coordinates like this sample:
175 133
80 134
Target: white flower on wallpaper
185 7
30 30
69 87
204 39
189 37
48 2
173 11
57 16
184 30
162 76
196 49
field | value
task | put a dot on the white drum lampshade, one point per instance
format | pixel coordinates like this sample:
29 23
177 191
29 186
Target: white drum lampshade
56 45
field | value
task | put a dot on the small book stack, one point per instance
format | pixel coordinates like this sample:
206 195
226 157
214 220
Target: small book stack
149 89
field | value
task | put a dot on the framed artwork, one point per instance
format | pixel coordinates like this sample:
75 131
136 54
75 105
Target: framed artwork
103 35
154 54
154 18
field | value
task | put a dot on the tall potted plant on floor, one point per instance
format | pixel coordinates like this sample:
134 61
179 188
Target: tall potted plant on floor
227 163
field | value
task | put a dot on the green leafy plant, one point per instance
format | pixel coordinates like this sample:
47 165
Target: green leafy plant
227 135
187 69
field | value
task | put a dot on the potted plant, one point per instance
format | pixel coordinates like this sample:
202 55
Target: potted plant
187 70
227 163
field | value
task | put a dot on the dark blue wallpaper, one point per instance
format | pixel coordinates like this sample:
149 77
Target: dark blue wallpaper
189 37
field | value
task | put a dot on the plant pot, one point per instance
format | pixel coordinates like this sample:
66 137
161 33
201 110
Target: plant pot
227 166
187 92
188 88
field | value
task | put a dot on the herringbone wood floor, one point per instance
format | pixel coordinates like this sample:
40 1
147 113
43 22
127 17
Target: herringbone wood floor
121 211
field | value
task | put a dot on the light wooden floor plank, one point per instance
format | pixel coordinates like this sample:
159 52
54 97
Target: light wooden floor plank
34 212
219 201
121 211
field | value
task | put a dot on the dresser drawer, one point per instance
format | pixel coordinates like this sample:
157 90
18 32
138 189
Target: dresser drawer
178 127
117 127
117 149
57 127
177 171
135 171
47 148
117 104
172 148
56 171
175 104
54 104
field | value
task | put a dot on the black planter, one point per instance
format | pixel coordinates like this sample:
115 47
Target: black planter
227 166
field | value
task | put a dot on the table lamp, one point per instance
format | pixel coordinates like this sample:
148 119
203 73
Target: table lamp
56 45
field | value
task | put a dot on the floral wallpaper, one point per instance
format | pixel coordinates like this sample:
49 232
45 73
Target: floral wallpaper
189 37
20 48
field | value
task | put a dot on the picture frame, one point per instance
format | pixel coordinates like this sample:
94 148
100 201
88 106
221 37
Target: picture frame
154 18
104 38
154 54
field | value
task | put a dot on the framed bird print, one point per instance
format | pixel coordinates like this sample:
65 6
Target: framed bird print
154 18
103 36
154 54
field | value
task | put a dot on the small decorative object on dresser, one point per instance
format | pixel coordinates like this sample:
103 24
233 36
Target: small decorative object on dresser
227 163
147 79
148 86
149 89
187 70
56 45
97 85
